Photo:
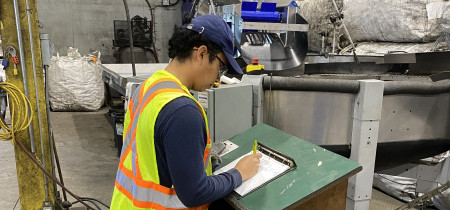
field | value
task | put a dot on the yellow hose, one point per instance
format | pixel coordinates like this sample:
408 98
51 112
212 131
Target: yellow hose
19 107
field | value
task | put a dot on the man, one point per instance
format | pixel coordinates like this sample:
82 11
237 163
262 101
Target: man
165 156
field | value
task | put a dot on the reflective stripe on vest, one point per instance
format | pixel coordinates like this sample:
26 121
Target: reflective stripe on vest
143 194
130 183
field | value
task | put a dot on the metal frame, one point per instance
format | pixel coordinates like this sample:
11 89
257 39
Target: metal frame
366 122
275 26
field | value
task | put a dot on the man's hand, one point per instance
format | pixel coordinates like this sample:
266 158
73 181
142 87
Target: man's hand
248 166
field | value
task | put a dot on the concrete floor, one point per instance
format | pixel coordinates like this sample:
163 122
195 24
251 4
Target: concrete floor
9 192
85 144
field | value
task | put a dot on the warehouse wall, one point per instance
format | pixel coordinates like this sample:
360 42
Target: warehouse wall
88 24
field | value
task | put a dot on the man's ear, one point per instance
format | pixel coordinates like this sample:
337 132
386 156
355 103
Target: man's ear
202 51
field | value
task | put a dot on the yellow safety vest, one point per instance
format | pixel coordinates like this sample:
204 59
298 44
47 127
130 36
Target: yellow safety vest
137 181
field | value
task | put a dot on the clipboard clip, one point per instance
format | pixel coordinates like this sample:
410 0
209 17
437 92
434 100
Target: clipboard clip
280 157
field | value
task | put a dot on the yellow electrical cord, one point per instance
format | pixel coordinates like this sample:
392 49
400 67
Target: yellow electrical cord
19 110
19 107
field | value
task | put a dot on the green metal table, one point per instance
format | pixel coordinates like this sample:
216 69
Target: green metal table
317 170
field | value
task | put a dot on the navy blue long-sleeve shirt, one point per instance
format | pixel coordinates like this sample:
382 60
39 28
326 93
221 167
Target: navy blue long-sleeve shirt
180 140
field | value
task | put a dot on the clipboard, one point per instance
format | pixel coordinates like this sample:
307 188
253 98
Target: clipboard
271 161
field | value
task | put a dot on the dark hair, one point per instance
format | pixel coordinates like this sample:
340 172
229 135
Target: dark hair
183 41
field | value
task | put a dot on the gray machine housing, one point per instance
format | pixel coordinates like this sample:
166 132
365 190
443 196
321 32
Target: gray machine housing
228 109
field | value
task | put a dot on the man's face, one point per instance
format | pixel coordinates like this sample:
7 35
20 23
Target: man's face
208 72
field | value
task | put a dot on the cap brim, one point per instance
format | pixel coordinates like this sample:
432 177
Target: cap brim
233 66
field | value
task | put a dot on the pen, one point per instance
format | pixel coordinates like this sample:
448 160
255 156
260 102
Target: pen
255 144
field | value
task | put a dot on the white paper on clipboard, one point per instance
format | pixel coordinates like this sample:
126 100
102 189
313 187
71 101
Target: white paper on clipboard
269 168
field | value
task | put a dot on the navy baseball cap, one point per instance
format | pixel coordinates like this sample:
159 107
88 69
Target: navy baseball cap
216 30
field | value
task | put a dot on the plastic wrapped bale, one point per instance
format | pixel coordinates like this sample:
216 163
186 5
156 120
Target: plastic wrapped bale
410 21
405 189
396 20
402 188
75 83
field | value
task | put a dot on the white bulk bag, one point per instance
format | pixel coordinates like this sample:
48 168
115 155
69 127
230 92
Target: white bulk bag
75 82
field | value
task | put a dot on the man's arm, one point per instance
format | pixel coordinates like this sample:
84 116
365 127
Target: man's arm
184 136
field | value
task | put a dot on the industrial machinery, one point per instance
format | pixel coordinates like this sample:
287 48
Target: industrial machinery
278 39
275 35
142 39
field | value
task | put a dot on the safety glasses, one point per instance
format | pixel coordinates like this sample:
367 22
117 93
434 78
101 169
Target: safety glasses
223 67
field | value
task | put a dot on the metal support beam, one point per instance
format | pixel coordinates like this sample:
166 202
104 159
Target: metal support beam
366 121
30 177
